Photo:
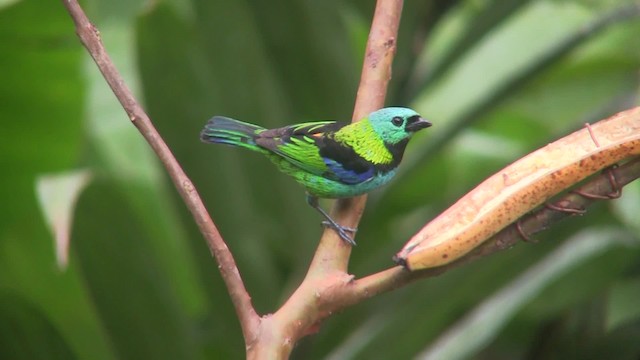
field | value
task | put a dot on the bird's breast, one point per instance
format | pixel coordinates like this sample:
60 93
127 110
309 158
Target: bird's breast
328 188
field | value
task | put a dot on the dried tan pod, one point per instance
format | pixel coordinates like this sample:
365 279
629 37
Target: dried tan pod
520 187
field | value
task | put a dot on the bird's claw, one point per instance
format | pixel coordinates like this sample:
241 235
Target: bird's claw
342 231
326 223
329 222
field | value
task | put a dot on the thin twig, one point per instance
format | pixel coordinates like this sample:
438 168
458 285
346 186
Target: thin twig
90 38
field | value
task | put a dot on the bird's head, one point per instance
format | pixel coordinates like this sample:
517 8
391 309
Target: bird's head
396 124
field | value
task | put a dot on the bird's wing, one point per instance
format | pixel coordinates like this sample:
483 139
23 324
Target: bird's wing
310 147
299 144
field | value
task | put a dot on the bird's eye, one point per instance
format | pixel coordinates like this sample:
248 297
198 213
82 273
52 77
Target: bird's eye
397 121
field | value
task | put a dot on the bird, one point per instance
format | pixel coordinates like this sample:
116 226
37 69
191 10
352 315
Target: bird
330 159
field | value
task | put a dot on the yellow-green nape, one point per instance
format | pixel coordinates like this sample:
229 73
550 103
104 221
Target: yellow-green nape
363 139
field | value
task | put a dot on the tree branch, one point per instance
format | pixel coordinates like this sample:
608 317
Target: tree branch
308 305
90 38
332 253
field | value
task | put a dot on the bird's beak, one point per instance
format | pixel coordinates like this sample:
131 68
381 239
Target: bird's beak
416 123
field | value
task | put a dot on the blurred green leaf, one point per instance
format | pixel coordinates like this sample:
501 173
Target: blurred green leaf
43 84
57 196
42 97
457 35
623 304
26 333
525 38
627 207
5 3
483 323
135 299
123 155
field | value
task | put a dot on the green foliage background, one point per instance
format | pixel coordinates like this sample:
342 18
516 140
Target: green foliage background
497 78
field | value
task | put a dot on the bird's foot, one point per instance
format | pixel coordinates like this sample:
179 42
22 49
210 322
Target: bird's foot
325 223
341 230
329 222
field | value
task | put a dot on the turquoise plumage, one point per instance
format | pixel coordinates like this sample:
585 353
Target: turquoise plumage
330 159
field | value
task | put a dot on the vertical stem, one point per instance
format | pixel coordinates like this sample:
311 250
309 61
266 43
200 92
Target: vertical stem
308 305
332 253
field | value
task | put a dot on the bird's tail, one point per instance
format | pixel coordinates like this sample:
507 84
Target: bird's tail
223 130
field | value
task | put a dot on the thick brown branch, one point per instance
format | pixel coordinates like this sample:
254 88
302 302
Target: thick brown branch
332 253
90 38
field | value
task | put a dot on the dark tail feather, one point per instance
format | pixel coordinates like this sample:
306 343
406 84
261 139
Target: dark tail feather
223 130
